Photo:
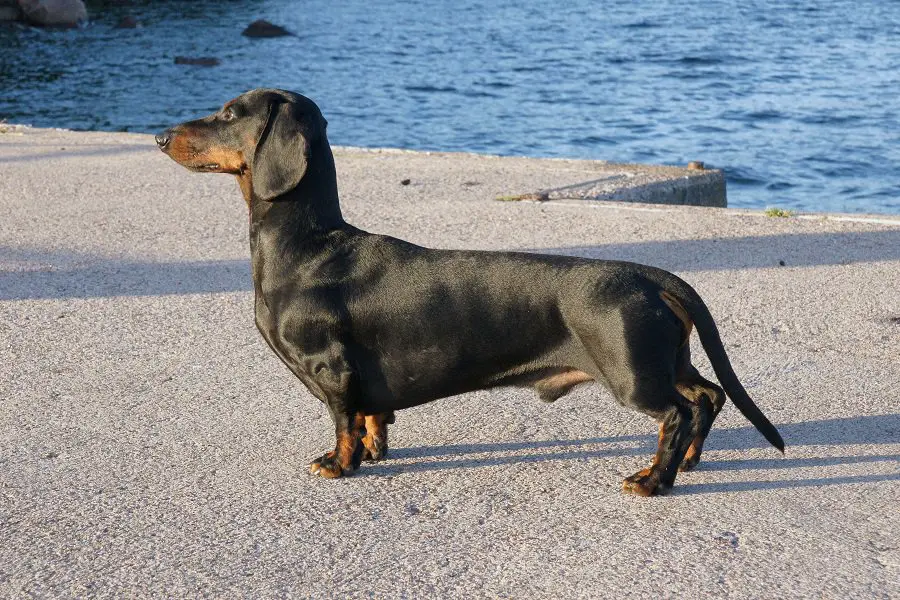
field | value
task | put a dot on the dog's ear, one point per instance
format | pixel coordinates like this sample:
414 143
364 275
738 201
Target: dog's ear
280 158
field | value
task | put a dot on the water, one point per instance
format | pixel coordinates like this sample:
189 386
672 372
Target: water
798 103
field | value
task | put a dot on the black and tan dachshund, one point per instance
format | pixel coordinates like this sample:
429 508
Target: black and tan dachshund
372 324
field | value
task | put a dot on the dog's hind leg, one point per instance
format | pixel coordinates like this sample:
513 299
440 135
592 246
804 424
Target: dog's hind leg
374 442
638 352
679 425
708 397
709 400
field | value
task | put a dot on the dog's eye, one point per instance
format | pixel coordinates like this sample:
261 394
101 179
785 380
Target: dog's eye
228 115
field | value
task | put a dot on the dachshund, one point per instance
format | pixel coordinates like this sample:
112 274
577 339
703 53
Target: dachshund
372 324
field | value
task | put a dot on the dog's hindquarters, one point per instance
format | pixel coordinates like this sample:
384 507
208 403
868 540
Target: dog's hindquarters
636 344
698 312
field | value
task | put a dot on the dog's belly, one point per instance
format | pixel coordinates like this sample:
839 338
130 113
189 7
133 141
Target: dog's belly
398 369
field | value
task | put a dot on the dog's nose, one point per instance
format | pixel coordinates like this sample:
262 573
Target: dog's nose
162 139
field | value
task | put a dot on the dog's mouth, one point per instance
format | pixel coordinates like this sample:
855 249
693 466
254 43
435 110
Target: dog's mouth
205 168
204 160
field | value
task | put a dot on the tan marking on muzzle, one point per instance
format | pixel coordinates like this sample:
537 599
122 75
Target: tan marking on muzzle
228 159
190 149
180 148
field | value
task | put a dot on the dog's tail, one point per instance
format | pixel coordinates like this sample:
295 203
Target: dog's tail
696 309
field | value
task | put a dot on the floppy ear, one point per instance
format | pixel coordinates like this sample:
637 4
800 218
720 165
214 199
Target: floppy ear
279 161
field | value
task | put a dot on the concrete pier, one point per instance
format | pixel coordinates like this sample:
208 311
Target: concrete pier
579 179
151 445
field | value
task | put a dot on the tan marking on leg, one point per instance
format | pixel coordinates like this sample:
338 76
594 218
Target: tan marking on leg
566 379
692 393
343 455
691 454
659 447
339 461
699 392
375 439
644 483
680 312
558 384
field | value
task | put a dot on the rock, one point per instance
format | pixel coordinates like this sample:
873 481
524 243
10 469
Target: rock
199 61
9 11
127 22
53 13
264 29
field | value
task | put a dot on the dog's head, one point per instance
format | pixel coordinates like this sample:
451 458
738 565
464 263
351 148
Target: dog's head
266 137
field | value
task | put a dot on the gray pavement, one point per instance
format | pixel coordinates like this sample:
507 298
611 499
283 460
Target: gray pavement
152 446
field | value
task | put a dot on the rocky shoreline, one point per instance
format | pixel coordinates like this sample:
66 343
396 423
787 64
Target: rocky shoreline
67 14
44 13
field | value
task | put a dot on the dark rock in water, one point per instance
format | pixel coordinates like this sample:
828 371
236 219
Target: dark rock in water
127 22
53 13
264 29
9 11
199 61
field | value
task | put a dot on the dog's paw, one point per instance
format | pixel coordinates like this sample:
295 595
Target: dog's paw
692 458
644 483
328 466
374 449
689 464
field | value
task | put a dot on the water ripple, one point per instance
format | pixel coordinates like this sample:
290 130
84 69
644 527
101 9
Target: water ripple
796 102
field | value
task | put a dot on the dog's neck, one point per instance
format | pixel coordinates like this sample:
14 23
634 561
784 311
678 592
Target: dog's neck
310 208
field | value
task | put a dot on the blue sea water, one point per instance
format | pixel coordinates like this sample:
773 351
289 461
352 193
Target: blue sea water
796 101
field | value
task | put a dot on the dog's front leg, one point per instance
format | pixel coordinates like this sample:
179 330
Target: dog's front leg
376 437
338 390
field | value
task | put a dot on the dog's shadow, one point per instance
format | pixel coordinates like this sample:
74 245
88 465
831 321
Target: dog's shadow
867 430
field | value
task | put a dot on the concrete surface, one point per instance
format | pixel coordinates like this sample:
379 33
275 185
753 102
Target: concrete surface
645 184
152 446
600 180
